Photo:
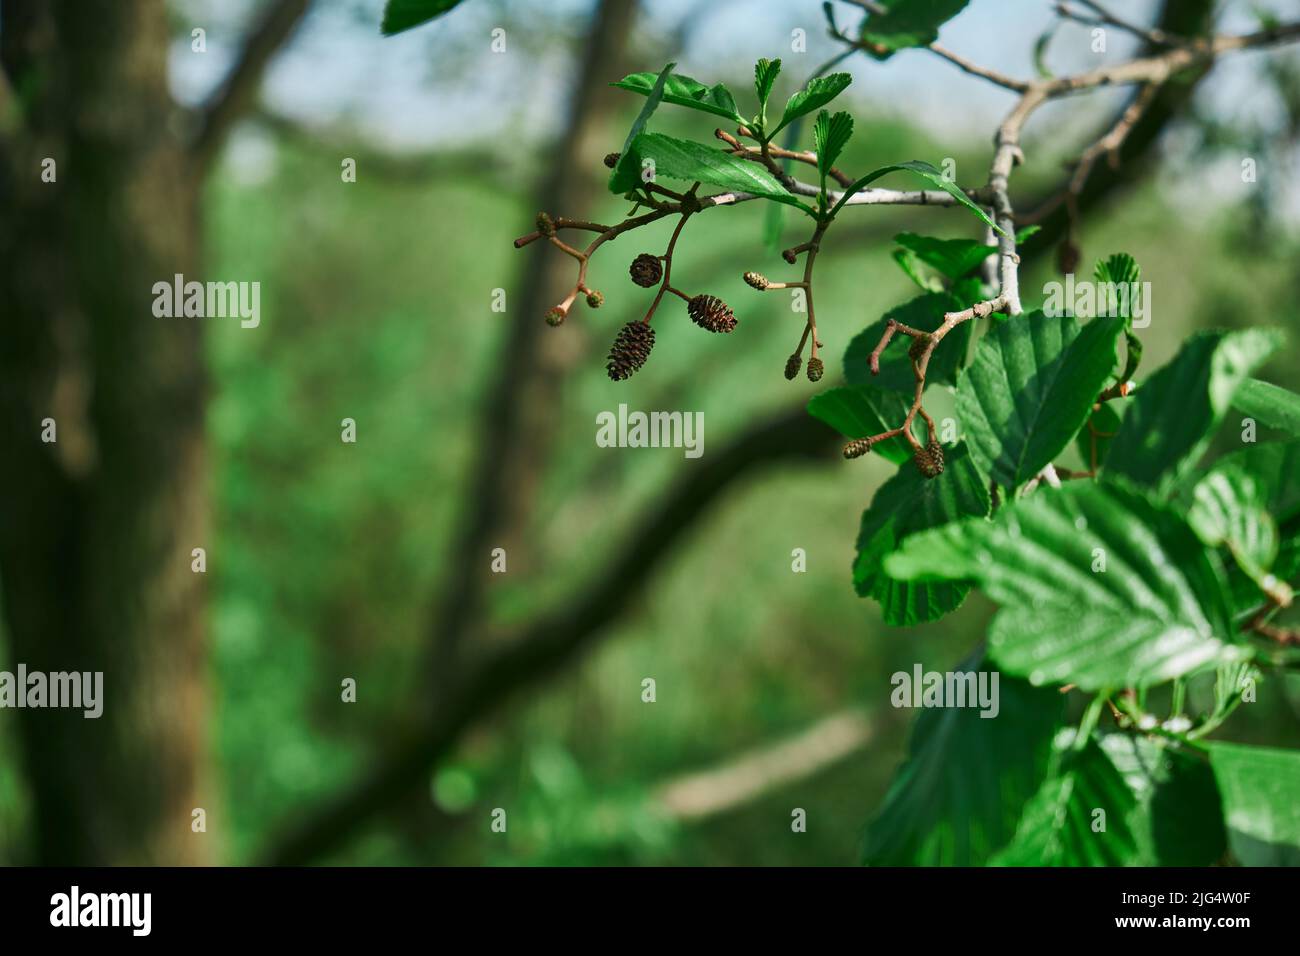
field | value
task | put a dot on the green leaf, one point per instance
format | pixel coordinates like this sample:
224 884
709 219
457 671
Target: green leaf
927 172
1229 507
651 104
1040 50
1157 610
685 91
1161 808
1120 269
857 411
773 225
957 797
401 15
765 73
1061 825
911 266
1175 413
1106 420
831 134
1179 819
955 258
907 23
906 504
775 217
925 312
1275 407
1023 235
819 91
684 160
1231 680
1276 468
1259 787
1030 389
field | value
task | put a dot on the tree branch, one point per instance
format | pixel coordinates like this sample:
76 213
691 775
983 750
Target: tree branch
236 92
1177 18
561 636
743 779
1153 36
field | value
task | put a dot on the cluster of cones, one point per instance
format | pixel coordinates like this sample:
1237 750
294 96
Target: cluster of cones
634 341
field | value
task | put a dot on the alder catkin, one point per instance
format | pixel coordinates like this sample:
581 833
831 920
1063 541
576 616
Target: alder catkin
858 447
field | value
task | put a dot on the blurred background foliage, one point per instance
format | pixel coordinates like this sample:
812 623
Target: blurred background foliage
376 300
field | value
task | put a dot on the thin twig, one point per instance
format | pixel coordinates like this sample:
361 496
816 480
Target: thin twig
1151 35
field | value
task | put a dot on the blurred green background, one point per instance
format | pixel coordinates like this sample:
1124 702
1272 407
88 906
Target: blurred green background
376 300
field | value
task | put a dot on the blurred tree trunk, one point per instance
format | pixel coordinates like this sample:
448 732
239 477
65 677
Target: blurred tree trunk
97 528
517 419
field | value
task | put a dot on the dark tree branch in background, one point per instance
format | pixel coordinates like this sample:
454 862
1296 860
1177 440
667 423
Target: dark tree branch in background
555 640
508 450
236 93
1103 17
1177 18
974 69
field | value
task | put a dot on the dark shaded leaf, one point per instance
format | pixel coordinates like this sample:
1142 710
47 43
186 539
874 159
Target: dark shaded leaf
955 258
1173 415
1259 787
401 15
1082 816
906 504
925 312
858 411
907 23
957 797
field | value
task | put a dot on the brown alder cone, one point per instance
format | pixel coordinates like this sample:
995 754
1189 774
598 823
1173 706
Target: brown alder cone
929 460
710 312
646 270
630 350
